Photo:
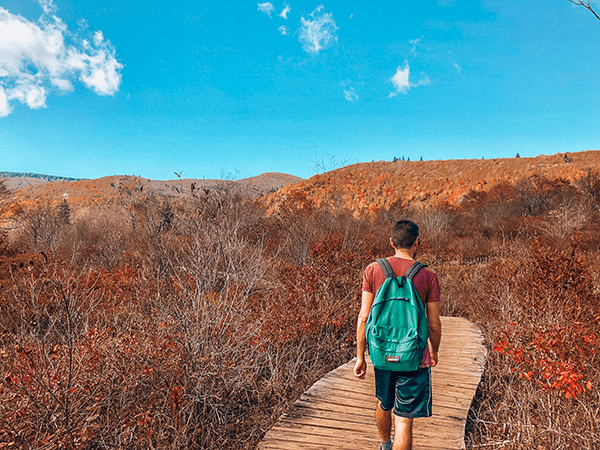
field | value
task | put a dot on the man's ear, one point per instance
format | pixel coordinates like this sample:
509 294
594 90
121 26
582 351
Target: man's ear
392 242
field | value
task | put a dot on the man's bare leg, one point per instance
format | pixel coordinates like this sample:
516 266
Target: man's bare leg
403 435
384 423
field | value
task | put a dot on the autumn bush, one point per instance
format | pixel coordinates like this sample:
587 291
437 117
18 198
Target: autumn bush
523 262
539 311
194 329
536 298
194 322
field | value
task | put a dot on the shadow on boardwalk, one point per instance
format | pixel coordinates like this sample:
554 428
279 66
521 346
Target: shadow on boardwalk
338 410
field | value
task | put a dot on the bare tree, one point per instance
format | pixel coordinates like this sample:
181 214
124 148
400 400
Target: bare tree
41 223
586 5
589 186
4 194
5 199
4 203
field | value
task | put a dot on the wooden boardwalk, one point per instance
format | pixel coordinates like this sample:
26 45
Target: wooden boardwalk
337 412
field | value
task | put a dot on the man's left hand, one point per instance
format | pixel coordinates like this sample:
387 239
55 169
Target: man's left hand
360 368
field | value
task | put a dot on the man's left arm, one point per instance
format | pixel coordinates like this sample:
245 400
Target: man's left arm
435 330
360 368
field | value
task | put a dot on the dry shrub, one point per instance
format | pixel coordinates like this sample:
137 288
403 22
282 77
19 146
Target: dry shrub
193 324
537 194
41 227
489 214
5 195
97 238
200 344
535 296
570 215
436 224
589 186
541 319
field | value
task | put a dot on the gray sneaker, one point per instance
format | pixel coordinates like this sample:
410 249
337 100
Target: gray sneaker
388 446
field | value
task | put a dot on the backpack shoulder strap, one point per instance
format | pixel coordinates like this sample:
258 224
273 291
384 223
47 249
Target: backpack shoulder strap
389 272
386 267
414 269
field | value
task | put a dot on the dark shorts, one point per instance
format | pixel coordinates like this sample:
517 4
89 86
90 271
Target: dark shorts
409 393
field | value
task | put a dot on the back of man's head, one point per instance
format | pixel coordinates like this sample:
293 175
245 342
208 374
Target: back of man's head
404 234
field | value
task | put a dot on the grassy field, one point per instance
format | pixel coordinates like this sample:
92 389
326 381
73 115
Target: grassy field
173 324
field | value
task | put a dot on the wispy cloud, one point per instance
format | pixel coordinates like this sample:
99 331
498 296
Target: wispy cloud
350 95
286 10
284 30
48 6
318 31
401 81
36 59
349 92
267 8
413 45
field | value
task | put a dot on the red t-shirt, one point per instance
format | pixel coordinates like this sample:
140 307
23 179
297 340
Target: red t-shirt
426 283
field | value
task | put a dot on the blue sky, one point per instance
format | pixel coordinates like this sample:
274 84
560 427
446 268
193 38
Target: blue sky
90 88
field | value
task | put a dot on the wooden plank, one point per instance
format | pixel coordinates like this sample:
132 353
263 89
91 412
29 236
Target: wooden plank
357 387
338 410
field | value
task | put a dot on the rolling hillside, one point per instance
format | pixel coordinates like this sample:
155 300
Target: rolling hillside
361 188
106 190
369 187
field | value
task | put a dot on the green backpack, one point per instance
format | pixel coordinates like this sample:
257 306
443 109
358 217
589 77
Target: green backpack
397 327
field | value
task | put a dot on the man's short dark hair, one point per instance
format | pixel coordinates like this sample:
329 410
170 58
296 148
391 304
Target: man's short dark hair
404 234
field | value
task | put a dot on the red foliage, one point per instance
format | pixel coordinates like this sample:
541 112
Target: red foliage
556 344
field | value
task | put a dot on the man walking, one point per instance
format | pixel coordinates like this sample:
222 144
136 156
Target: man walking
408 394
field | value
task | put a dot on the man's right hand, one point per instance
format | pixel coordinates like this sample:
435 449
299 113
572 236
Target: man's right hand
360 368
434 358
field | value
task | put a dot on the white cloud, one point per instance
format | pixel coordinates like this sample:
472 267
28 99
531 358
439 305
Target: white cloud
267 8
4 106
284 30
286 10
29 92
317 32
36 59
401 81
350 95
63 85
99 69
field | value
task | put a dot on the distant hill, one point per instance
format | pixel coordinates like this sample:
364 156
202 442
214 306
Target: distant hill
39 176
17 180
362 188
105 190
368 187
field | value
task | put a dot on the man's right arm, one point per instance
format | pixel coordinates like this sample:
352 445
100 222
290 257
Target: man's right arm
435 330
360 368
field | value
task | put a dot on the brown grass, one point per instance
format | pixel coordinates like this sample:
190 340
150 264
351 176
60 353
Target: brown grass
193 322
192 329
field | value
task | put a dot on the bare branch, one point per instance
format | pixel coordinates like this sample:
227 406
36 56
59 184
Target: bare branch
586 5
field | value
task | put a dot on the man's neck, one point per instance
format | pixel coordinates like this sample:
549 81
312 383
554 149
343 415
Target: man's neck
404 253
